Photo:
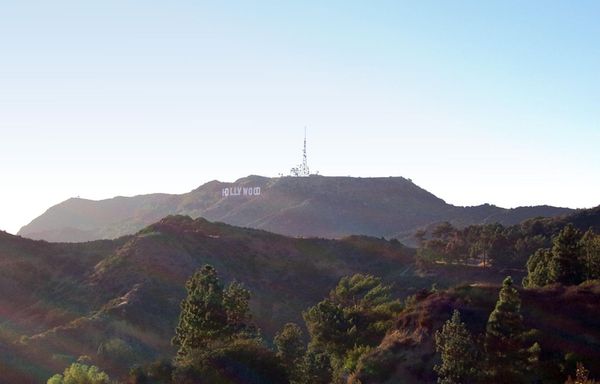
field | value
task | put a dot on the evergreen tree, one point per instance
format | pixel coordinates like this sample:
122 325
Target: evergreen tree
203 314
217 343
236 300
158 372
357 313
290 349
458 353
328 327
537 269
501 251
232 361
590 243
443 230
482 245
316 368
509 360
79 373
566 266
209 313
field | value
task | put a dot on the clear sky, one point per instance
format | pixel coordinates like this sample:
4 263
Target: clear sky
475 101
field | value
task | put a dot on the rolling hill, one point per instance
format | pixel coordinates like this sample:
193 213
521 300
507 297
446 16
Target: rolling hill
330 207
117 301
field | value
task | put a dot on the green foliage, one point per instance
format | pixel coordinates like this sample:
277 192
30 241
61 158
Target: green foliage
217 343
236 300
443 230
509 360
357 313
505 321
317 367
235 361
590 243
80 374
489 244
574 258
290 350
354 356
209 313
428 254
566 266
376 366
527 245
203 315
116 349
328 327
499 246
459 358
537 269
159 372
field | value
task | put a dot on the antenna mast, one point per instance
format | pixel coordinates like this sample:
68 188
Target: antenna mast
302 170
305 170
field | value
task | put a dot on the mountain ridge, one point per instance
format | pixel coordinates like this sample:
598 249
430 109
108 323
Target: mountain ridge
325 206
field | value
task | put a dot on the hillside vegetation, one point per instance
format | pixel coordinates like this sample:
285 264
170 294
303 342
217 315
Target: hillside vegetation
116 304
408 354
118 301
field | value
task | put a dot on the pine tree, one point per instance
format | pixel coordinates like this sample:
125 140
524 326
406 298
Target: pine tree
203 315
458 353
590 243
317 368
209 313
357 313
537 269
509 360
236 300
290 349
566 266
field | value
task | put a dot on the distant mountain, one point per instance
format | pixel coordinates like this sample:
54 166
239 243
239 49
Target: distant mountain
320 206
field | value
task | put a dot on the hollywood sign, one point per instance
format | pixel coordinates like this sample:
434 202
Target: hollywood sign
240 191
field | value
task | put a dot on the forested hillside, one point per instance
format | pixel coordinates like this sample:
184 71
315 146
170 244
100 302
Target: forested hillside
117 304
118 301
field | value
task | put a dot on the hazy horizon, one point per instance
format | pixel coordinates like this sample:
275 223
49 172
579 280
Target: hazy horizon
493 102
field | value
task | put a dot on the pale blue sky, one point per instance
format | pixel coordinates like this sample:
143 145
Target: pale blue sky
476 101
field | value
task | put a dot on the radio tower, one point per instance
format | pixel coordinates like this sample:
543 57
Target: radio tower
302 170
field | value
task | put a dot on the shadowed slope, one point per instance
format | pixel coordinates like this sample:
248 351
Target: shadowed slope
118 301
407 353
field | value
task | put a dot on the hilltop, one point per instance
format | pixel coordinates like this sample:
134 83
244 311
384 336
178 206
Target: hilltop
330 207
